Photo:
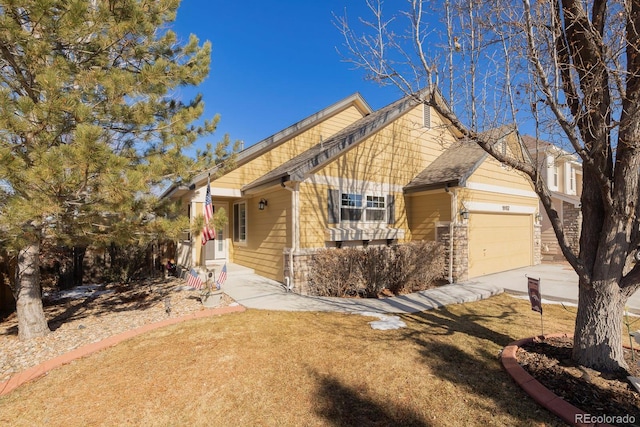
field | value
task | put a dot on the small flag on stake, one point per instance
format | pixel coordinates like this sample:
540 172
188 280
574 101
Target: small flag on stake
194 280
533 286
222 277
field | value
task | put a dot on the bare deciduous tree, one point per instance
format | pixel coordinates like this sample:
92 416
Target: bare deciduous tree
570 70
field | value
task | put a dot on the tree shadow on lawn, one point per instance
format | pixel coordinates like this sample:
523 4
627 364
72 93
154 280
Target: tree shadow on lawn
474 367
342 405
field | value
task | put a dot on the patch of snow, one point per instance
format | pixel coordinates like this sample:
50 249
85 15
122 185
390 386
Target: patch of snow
84 291
385 323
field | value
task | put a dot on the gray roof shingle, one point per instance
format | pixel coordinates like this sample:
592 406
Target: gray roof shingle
456 164
451 168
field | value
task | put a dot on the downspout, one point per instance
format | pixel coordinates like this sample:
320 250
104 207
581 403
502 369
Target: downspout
454 217
295 226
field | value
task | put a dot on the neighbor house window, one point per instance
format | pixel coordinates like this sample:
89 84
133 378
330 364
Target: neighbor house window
572 180
556 171
240 222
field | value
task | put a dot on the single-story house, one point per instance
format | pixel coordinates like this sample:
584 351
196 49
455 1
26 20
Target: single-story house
351 176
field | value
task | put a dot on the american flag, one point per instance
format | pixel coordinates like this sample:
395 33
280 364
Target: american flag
207 232
222 277
194 280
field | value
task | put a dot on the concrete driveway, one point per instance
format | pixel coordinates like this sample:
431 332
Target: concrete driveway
558 282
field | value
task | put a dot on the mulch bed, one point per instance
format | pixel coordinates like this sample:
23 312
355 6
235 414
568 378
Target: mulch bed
595 393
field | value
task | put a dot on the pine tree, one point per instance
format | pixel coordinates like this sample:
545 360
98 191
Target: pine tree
90 124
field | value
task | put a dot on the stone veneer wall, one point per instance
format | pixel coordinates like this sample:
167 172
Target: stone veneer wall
572 222
537 244
301 260
460 270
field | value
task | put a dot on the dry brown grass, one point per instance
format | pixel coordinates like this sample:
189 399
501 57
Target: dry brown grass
282 368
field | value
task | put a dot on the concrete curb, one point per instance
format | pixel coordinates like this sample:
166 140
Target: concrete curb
539 393
41 369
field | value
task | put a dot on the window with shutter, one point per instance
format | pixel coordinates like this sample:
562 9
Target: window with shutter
333 202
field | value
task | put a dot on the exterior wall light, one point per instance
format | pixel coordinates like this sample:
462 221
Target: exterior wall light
261 204
464 214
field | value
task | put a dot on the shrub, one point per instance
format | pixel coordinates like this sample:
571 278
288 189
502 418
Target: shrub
335 273
403 268
427 263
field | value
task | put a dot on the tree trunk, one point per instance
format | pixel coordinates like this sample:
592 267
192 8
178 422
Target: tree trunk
598 334
31 320
65 269
78 265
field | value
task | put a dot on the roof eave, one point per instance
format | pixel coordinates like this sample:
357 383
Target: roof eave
280 180
432 186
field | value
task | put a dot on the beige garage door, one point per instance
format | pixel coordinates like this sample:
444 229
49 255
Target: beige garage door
499 242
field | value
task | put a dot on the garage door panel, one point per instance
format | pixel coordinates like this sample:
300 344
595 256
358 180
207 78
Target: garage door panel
499 242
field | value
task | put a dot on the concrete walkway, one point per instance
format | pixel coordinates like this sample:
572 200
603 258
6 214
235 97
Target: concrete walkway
558 282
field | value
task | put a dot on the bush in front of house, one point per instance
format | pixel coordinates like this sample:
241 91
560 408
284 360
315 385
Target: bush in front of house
403 268
335 273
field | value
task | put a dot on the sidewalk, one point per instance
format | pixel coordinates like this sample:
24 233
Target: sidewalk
558 282
254 291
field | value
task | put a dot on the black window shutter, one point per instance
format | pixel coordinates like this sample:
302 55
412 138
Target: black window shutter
391 209
334 206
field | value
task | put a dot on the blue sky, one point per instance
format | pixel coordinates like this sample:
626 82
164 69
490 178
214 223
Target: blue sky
273 63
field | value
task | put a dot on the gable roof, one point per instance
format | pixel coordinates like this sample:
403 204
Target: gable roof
297 168
532 144
456 164
282 136
450 169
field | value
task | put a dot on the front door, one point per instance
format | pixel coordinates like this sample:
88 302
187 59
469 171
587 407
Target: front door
217 249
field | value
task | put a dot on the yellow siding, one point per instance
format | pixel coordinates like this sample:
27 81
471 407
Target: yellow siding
313 215
276 156
493 173
425 211
268 233
402 220
466 195
395 154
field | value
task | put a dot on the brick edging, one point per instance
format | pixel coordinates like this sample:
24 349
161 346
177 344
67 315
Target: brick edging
539 393
39 370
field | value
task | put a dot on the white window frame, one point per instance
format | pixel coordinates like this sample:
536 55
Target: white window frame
375 204
553 172
371 202
240 229
570 179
